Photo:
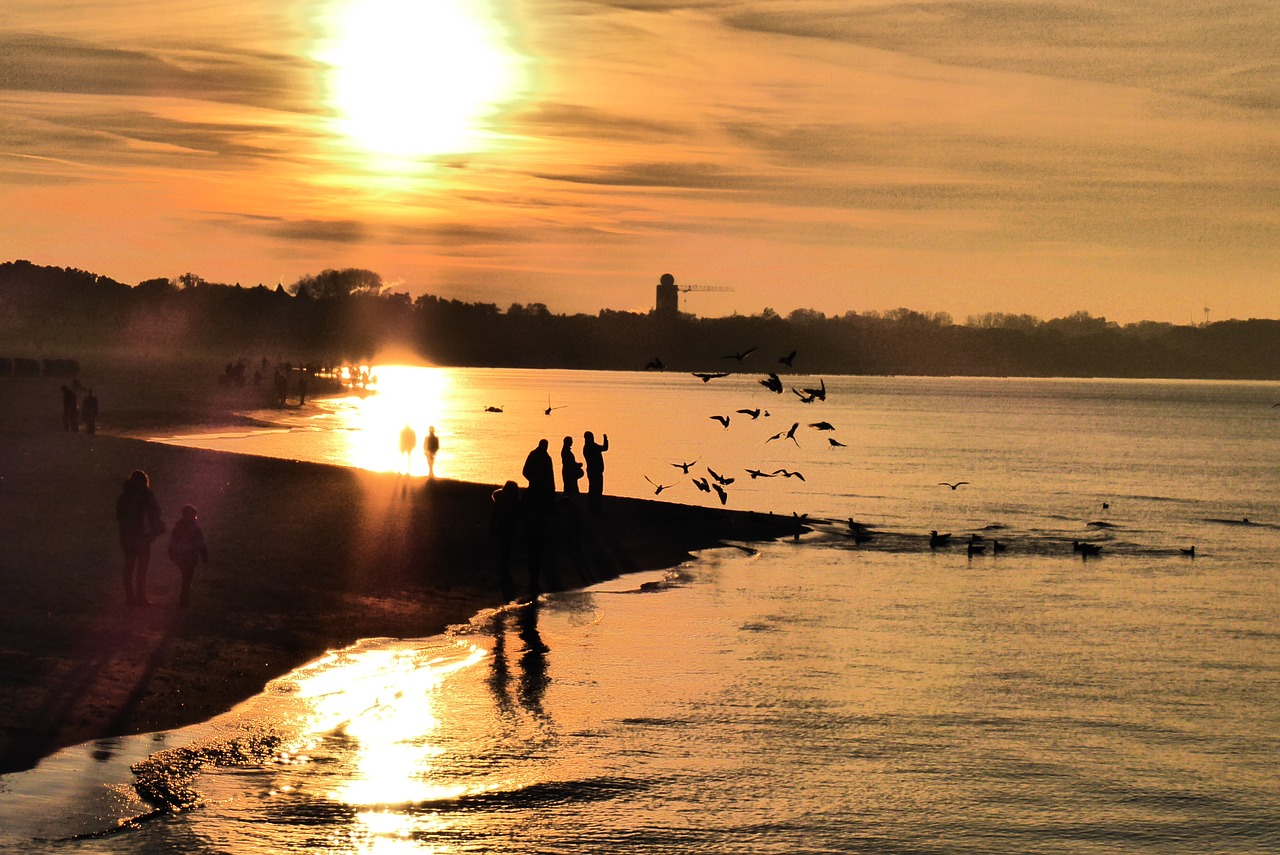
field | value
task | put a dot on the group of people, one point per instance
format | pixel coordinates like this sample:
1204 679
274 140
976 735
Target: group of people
140 522
430 447
74 411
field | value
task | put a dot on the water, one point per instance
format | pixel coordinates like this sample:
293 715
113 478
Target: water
818 696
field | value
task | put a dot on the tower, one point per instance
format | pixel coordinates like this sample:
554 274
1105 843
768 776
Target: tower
667 301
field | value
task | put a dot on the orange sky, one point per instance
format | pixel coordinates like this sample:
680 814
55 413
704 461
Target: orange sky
1038 156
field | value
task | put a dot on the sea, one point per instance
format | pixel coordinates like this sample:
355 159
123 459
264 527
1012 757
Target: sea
853 689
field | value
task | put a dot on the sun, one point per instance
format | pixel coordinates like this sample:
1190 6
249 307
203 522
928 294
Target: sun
415 78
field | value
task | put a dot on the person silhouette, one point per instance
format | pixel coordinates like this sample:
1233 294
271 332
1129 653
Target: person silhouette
540 473
70 409
187 549
430 446
570 468
537 506
138 515
89 410
408 442
504 522
593 455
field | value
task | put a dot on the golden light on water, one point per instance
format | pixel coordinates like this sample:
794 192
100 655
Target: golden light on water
416 78
406 396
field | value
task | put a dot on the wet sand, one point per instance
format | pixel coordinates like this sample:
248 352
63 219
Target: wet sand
304 558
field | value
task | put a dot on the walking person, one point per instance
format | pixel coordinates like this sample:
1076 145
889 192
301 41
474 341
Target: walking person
89 410
593 455
138 515
504 522
430 446
408 441
70 410
570 468
187 549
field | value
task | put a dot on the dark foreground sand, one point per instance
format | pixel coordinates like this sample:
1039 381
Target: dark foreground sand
304 558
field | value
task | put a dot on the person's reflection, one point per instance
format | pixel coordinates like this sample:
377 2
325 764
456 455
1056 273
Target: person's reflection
499 672
532 682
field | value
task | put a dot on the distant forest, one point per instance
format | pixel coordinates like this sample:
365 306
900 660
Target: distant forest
349 316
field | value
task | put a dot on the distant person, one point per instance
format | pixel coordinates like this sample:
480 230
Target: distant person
408 442
430 446
504 523
302 387
70 409
89 410
570 468
138 515
593 455
282 387
187 549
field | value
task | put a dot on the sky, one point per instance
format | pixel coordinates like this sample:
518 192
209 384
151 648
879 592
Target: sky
962 156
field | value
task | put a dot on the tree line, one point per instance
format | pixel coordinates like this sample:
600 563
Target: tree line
351 316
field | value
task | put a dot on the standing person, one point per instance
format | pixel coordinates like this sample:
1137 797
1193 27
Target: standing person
187 549
89 409
537 507
430 446
70 410
503 523
138 514
540 472
593 454
408 441
570 468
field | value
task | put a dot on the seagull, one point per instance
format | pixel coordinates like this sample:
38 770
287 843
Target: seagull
706 376
858 532
718 478
724 497
949 484
660 487
788 359
820 393
788 473
936 540
755 414
805 397
997 546
493 409
822 425
701 484
684 467
655 364
772 383
724 420
756 473
550 408
786 434
740 356
1190 551
835 443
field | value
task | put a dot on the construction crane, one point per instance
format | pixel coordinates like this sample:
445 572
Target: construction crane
667 301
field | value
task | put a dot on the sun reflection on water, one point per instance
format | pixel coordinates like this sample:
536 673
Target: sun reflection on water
407 397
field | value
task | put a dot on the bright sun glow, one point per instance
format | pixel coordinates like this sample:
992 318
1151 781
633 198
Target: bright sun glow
413 78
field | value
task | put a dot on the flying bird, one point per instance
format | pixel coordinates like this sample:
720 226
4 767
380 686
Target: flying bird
755 414
788 473
805 397
952 486
820 393
835 443
724 497
684 467
772 383
756 473
788 359
718 478
550 408
786 434
655 364
660 487
822 425
724 420
740 356
701 484
706 376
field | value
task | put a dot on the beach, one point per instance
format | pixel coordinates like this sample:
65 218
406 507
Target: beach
304 558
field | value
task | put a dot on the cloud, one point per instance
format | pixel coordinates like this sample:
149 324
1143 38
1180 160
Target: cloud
569 120
686 176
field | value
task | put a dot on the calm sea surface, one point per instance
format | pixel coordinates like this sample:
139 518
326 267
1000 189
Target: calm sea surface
811 696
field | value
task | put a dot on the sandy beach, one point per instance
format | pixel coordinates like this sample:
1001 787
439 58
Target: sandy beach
303 558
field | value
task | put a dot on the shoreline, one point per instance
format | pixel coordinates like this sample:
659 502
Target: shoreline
304 558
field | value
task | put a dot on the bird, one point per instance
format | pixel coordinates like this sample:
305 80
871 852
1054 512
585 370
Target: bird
740 356
493 409
835 443
822 425
949 484
755 413
975 547
660 487
701 484
805 397
756 473
786 434
1190 551
788 359
655 364
1087 549
858 532
773 383
997 546
936 540
550 408
724 497
1106 505
707 376
684 467
788 473
718 478
724 420
820 393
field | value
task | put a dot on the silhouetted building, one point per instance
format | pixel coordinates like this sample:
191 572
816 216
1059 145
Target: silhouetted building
667 301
